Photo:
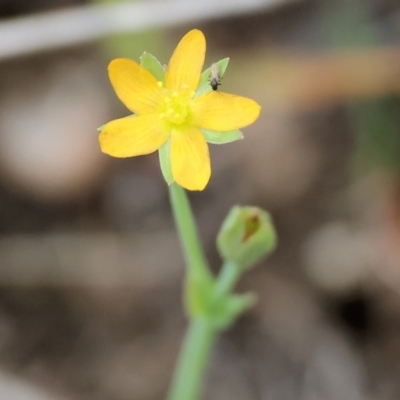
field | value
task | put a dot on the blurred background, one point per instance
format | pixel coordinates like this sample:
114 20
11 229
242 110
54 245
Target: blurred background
90 267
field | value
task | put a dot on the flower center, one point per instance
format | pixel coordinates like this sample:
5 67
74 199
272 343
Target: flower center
176 108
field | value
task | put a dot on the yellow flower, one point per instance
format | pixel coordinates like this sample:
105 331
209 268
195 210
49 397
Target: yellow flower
170 110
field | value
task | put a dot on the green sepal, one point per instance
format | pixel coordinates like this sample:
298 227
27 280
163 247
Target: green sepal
221 137
204 300
229 308
152 65
204 84
165 162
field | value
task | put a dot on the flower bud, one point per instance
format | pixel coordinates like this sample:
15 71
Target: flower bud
246 236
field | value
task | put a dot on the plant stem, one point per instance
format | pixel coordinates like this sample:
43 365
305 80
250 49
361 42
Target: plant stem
200 337
192 362
227 277
187 231
201 334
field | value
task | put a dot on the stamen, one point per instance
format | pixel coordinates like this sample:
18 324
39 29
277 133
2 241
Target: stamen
175 107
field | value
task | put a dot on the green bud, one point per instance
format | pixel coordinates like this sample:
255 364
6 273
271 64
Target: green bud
246 236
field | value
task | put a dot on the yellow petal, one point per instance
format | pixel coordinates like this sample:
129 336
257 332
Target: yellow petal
135 86
133 136
184 68
190 158
221 112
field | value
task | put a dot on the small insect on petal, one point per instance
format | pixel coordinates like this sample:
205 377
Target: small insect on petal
215 78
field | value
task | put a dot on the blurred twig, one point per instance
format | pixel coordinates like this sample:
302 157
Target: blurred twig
305 80
51 30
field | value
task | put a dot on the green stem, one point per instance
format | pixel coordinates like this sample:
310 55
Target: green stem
189 372
192 362
200 337
187 231
228 277
201 334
